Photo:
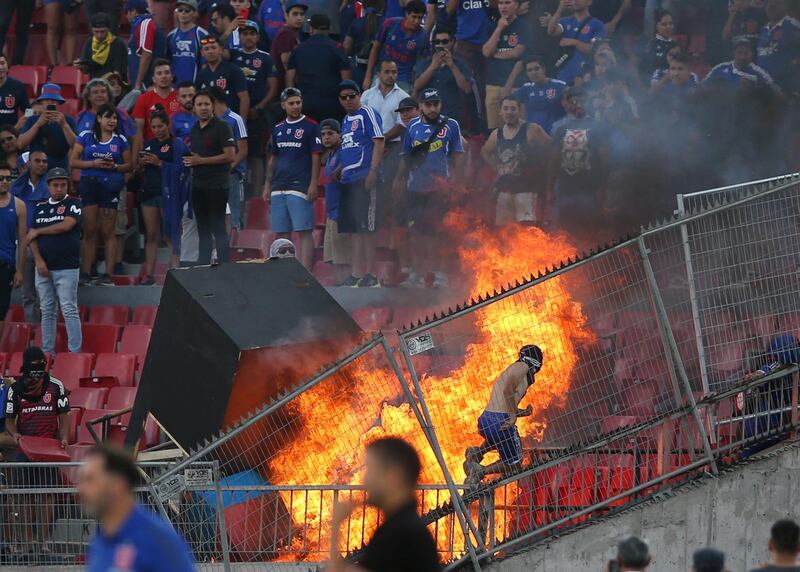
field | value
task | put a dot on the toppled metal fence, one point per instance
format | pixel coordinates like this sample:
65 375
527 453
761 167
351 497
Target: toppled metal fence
646 345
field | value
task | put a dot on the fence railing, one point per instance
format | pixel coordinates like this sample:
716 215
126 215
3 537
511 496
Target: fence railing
646 345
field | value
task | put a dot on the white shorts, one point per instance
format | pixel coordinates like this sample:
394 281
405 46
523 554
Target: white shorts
515 207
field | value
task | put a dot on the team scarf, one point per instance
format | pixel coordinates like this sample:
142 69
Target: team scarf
100 50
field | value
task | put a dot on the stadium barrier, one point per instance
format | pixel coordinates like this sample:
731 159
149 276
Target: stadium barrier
621 408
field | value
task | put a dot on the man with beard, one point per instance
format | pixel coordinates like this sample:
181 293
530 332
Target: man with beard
402 542
430 142
129 536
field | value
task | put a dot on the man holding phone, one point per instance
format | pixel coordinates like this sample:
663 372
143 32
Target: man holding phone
49 130
445 73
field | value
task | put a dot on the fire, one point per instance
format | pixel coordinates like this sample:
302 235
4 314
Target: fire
341 415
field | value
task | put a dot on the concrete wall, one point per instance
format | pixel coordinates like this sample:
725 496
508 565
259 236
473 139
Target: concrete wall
732 513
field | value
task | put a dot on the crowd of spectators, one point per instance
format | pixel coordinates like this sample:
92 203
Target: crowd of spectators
568 114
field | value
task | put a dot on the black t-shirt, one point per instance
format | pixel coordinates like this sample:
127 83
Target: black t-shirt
228 77
319 62
13 100
37 415
210 141
515 34
579 142
152 175
401 544
60 251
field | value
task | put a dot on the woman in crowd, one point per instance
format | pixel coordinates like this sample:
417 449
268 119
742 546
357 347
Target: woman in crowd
97 93
656 50
102 155
9 153
164 190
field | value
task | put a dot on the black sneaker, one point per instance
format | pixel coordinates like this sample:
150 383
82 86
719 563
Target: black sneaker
369 281
85 280
104 280
350 282
147 281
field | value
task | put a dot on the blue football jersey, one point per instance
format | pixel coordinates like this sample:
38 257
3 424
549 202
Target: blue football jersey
183 51
435 165
94 149
293 142
358 131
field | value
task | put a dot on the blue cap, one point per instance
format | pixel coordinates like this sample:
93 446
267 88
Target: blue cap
296 4
138 5
251 24
348 84
52 92
430 94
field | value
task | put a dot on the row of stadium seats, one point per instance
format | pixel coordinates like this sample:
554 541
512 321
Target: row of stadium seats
108 368
69 78
114 314
97 338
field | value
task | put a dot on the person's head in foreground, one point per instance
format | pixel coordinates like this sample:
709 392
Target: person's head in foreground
107 479
783 542
282 248
708 560
633 554
393 469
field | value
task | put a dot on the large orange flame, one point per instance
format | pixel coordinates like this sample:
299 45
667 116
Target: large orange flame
341 417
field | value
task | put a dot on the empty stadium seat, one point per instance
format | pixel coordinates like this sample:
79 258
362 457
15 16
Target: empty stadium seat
249 244
151 435
617 474
120 366
88 397
70 79
42 449
70 107
73 420
135 339
100 338
83 314
16 313
582 486
120 398
61 338
84 437
69 368
29 76
144 315
115 314
257 214
16 337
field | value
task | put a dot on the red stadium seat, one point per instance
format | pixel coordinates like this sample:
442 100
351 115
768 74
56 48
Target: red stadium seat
152 432
70 79
123 279
257 214
42 450
88 397
115 314
16 337
135 339
16 313
582 485
100 338
120 366
121 398
320 214
325 273
69 368
250 244
84 437
77 453
83 314
144 315
15 363
29 76
71 107
73 420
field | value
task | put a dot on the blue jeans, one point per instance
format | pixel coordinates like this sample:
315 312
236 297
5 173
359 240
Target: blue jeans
60 286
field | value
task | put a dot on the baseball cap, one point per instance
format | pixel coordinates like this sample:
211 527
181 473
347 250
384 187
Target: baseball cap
708 560
57 173
250 25
137 5
407 103
430 94
100 20
296 4
190 3
330 125
290 92
348 84
320 22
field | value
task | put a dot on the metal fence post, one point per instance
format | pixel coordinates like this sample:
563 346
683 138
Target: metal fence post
687 254
678 361
223 531
423 416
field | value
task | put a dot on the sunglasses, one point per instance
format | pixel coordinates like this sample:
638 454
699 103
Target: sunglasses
207 40
441 42
286 250
6 178
348 96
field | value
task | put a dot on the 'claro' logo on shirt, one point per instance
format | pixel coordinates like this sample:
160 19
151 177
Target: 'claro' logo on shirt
472 5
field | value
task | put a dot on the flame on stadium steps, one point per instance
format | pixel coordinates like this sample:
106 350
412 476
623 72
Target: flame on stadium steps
326 450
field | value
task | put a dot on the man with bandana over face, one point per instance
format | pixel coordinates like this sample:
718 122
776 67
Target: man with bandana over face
36 406
497 423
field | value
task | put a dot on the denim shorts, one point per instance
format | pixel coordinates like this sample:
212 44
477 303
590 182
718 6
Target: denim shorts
290 212
505 441
101 191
